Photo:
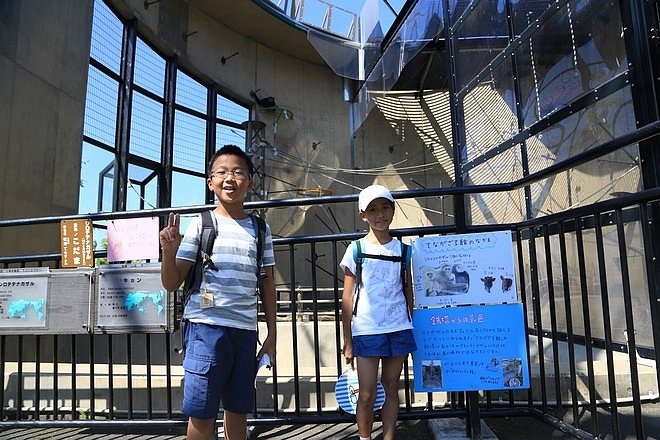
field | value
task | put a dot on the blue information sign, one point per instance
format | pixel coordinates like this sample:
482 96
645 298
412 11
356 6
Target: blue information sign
470 348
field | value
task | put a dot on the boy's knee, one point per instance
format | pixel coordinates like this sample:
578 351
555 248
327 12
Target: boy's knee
201 426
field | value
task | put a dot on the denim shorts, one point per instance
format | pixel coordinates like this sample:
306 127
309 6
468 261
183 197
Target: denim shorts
388 344
219 365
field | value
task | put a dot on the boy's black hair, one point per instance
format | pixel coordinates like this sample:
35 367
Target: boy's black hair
232 150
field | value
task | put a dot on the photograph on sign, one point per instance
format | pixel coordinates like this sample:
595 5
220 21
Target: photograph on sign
133 239
23 298
470 348
463 269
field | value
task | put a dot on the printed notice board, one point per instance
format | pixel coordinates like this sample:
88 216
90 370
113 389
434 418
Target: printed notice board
470 348
463 269
131 297
23 297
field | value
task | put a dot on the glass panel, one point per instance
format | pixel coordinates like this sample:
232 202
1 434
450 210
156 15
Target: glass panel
141 193
94 161
231 111
146 127
494 208
639 288
490 117
101 107
229 135
188 190
576 51
596 181
429 117
602 179
458 9
149 69
479 39
107 33
526 13
190 93
329 17
423 24
189 142
606 119
501 207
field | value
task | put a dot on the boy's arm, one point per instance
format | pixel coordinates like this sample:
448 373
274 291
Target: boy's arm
269 301
347 314
172 271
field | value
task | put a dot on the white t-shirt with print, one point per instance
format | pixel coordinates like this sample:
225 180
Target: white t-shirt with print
382 304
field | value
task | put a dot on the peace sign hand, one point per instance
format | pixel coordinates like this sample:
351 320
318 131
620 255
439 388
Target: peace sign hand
170 237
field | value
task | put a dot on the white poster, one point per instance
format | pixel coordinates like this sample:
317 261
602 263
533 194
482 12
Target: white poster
463 269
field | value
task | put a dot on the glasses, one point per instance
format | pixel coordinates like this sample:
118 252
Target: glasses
238 174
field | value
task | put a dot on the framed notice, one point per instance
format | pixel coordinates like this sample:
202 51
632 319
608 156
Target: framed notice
23 298
470 348
131 298
463 269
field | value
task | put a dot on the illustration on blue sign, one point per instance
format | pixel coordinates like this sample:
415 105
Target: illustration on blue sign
470 348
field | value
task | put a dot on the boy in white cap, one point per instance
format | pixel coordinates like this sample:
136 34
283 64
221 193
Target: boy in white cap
376 310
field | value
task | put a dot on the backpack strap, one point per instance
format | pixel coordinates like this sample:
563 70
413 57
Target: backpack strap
358 256
405 264
259 226
207 237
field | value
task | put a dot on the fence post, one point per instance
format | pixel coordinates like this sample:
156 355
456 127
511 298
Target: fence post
473 425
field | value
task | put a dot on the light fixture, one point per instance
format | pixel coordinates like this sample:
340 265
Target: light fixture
185 36
224 59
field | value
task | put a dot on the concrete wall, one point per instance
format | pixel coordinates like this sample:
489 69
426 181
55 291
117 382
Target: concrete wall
44 56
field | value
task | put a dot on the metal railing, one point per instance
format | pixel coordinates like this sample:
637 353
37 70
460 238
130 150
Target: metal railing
110 379
586 278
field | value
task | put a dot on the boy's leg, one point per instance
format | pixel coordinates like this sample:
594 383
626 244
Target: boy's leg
390 379
235 426
238 400
367 367
200 429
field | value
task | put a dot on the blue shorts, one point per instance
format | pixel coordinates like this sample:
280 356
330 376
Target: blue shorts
388 344
220 365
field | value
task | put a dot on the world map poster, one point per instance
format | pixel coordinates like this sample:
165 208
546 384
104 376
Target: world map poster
23 298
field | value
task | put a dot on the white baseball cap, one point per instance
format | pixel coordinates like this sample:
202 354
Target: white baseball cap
372 193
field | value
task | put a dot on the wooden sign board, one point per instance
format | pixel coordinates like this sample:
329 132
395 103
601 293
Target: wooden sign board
77 243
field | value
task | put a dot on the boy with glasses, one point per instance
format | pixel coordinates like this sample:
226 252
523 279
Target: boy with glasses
220 336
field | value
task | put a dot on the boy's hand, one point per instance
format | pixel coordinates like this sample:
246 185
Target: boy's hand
268 347
170 237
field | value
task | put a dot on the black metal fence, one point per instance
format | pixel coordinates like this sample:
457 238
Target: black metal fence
586 278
